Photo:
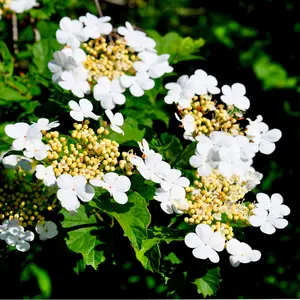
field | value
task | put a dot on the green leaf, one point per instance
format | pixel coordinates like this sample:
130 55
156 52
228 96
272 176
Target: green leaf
6 60
144 187
133 132
208 284
134 216
182 159
173 259
179 48
82 236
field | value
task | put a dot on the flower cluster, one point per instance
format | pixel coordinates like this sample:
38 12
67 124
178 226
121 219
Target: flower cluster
105 61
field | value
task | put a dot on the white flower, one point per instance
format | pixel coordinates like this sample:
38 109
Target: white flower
135 39
70 33
155 65
180 92
252 178
202 83
9 227
241 253
259 132
44 124
144 147
82 110
36 149
116 120
75 81
137 84
109 92
46 230
152 168
65 60
205 243
188 122
174 179
46 174
22 133
72 188
274 205
20 6
235 95
95 27
14 161
268 222
116 185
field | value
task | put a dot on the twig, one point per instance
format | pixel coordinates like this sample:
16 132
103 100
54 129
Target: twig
37 35
15 33
97 2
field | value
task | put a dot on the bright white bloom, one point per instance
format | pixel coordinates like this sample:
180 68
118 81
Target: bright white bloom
202 83
65 60
46 174
137 84
82 110
14 161
180 92
152 168
75 81
44 124
20 6
116 185
46 230
274 205
259 132
14 235
174 179
268 222
205 242
72 188
135 39
235 95
36 149
70 33
116 120
189 125
252 178
144 147
22 133
95 27
109 92
241 253
155 65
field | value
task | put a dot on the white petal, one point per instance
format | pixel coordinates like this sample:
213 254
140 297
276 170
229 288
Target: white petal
276 199
122 184
68 199
273 135
120 197
263 199
266 147
233 246
109 114
74 105
86 105
204 232
257 221
280 223
267 228
77 115
234 260
192 240
255 256
65 181
217 241
166 206
23 246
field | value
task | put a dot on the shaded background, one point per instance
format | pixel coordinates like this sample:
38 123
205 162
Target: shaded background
252 42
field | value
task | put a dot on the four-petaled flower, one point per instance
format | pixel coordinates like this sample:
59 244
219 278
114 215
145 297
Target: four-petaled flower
116 120
82 110
235 95
46 230
46 174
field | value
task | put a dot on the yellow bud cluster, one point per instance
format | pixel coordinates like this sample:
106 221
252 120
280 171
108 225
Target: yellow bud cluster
4 6
214 195
85 153
209 117
24 199
111 59
125 163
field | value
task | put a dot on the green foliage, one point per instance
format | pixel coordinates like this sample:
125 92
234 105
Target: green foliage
208 284
83 238
179 48
6 60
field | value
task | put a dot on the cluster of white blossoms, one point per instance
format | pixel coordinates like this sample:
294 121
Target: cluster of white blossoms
105 61
17 6
223 158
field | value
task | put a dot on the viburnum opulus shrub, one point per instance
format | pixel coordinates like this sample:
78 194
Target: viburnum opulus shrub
100 164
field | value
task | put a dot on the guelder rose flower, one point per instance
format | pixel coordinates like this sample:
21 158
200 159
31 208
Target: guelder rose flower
155 65
241 253
145 149
46 174
137 84
44 124
82 110
274 205
259 132
174 179
116 120
109 92
36 149
20 6
205 242
202 83
46 230
14 161
95 27
116 185
70 33
235 95
22 133
180 92
72 188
